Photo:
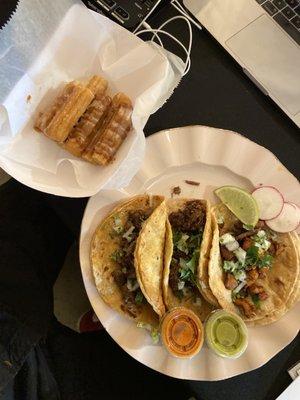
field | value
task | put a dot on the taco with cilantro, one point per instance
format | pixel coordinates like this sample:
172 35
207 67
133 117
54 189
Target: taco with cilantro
127 258
188 239
253 271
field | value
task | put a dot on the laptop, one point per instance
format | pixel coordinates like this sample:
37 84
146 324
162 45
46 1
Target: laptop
263 36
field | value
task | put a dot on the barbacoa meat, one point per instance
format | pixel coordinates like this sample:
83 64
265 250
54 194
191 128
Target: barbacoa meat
119 277
174 276
125 261
136 218
190 219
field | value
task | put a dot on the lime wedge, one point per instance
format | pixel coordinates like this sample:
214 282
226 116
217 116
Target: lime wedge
240 203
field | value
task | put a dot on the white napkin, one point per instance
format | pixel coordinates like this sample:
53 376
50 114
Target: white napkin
48 43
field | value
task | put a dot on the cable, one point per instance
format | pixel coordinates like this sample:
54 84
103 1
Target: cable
148 27
179 7
187 64
156 32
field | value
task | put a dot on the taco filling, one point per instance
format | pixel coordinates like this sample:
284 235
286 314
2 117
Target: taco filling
187 228
247 254
125 274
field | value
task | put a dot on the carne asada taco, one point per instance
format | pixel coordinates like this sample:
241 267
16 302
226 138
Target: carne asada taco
188 237
116 270
254 271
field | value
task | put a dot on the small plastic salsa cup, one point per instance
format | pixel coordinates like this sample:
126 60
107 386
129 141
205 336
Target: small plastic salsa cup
226 334
182 332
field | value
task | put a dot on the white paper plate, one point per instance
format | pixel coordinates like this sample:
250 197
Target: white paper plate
213 157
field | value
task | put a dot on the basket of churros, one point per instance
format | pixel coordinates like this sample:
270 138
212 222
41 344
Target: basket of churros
71 123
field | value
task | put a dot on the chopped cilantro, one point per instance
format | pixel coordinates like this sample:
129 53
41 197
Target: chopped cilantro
195 240
155 335
154 332
116 255
254 258
176 237
256 300
265 261
185 274
189 245
193 261
139 297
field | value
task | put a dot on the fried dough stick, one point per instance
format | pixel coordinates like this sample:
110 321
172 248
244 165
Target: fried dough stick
58 121
79 136
111 134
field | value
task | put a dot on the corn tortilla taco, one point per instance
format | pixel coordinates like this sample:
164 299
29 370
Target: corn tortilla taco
188 237
116 261
252 271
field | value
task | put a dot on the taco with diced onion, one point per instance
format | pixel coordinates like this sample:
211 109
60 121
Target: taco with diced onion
188 240
252 270
127 258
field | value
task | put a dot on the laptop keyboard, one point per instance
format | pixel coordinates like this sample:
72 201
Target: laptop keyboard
286 13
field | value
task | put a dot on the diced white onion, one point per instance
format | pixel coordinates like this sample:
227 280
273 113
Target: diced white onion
180 285
226 238
231 246
128 233
240 255
261 233
239 287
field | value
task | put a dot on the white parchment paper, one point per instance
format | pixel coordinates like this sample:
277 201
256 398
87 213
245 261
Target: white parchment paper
48 43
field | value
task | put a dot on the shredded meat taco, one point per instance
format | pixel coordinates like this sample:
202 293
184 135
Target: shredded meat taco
119 248
188 238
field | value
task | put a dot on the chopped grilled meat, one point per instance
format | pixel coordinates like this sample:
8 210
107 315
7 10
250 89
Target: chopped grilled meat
262 272
246 234
247 308
252 276
174 277
263 296
190 219
260 225
237 228
280 248
230 282
276 248
255 289
246 244
137 218
129 304
176 190
119 277
226 254
272 248
193 183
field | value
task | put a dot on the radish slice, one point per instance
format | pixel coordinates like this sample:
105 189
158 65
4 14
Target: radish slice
287 221
298 212
270 202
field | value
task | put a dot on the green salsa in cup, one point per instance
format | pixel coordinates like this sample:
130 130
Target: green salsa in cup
226 334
